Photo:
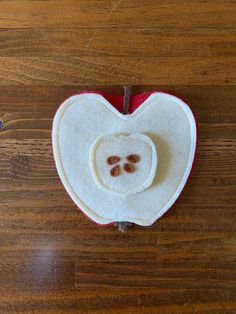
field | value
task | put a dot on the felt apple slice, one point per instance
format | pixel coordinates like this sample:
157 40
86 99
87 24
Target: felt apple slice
120 167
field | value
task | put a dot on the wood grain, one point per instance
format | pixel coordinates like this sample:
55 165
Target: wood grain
53 259
156 42
105 70
116 14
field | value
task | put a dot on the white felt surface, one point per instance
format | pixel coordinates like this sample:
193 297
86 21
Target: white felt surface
84 118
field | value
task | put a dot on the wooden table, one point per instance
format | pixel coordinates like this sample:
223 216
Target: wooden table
52 259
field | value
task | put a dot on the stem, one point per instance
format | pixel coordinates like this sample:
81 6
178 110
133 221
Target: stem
127 94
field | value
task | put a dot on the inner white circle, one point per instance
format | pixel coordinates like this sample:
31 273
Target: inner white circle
123 145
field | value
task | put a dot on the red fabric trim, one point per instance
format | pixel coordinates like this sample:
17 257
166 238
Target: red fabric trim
117 100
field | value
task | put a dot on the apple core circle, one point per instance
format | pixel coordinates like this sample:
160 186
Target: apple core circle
123 164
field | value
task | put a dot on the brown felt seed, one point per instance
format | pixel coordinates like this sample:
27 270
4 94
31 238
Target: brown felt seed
133 158
111 160
129 168
115 171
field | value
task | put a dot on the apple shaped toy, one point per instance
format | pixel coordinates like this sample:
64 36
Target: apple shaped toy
120 167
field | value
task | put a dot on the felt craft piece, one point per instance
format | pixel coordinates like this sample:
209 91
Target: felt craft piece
120 167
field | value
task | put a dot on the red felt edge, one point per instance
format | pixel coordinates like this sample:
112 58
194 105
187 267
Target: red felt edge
135 102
